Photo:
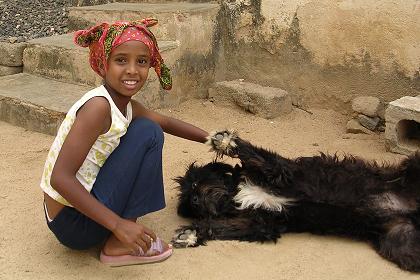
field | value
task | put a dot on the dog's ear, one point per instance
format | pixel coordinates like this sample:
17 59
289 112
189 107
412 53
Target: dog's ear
190 168
181 180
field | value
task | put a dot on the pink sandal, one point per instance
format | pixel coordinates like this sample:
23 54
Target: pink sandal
142 258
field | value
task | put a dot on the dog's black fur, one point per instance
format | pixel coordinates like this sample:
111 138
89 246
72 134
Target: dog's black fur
321 194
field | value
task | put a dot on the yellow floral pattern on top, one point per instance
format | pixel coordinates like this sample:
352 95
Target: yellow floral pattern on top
101 149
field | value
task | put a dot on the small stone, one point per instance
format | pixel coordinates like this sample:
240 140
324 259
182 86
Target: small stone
13 40
353 126
368 122
366 105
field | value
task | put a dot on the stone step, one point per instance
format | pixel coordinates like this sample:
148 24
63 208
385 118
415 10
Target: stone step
266 102
56 72
177 21
57 57
98 2
164 1
36 103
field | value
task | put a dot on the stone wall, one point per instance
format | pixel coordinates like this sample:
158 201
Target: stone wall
325 52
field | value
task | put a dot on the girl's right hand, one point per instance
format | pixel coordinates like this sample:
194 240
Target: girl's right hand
134 235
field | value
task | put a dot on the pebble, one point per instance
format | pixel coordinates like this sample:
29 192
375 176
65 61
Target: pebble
22 20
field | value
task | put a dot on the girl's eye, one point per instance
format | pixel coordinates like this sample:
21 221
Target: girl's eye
120 60
142 61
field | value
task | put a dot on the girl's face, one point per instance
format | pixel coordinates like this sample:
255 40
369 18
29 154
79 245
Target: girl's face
128 68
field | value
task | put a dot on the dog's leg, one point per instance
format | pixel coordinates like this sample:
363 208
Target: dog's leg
223 142
228 143
261 166
401 245
245 229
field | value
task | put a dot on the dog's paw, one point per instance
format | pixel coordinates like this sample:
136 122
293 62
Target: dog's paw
185 237
222 142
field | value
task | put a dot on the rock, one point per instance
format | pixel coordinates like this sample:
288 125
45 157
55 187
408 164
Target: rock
266 102
13 40
381 110
20 39
25 19
368 122
367 105
353 126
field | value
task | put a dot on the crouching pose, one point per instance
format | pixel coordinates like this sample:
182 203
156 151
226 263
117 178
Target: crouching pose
104 168
267 195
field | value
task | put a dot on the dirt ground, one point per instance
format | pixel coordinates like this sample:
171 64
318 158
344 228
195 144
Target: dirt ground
29 251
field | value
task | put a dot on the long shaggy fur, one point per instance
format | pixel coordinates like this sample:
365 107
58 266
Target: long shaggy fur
267 195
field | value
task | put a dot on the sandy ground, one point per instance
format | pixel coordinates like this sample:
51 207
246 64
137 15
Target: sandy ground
29 251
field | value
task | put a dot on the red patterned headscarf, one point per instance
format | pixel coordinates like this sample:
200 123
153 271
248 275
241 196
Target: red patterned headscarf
103 38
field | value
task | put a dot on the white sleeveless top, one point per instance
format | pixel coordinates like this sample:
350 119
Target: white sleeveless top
101 149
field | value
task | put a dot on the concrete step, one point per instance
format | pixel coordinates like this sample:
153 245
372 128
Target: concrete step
164 1
57 73
57 57
190 57
177 21
98 2
266 102
36 103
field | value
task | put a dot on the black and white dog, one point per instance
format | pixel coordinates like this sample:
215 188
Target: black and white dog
267 195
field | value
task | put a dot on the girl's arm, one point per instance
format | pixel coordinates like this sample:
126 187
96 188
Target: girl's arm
170 125
92 120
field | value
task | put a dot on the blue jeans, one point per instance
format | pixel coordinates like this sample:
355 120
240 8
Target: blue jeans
130 183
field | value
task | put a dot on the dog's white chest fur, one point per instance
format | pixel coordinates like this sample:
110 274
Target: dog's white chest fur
253 196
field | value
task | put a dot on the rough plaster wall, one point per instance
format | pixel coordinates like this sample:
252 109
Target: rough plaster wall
389 31
326 52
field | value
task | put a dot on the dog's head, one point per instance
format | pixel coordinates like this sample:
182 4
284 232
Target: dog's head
207 191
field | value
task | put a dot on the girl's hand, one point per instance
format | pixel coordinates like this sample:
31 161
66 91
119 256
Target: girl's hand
134 235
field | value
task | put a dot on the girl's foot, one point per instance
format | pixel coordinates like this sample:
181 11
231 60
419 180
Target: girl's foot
158 251
113 247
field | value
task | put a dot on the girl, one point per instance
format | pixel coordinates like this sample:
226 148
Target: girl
104 168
